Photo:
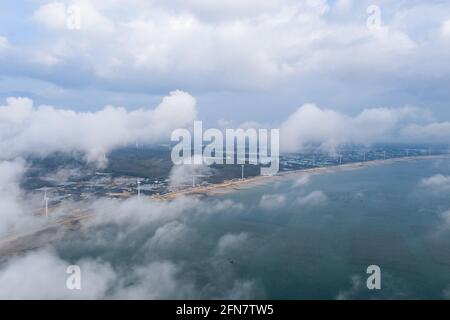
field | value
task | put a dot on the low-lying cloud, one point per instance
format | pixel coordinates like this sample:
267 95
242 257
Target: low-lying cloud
231 241
28 130
328 129
272 201
314 198
42 275
142 250
436 181
16 210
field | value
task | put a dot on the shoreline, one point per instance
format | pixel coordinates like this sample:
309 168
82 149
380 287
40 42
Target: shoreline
14 244
229 186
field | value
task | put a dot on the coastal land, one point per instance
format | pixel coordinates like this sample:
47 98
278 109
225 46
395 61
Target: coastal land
54 229
240 184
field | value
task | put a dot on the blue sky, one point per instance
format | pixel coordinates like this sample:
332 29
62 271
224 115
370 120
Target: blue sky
242 61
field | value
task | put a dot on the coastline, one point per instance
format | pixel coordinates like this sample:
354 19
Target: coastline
14 244
236 185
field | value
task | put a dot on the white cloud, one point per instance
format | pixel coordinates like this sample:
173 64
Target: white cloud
16 212
226 44
436 132
343 6
436 181
272 201
231 241
187 174
29 130
313 199
227 206
42 275
51 15
169 235
137 212
303 180
56 16
328 129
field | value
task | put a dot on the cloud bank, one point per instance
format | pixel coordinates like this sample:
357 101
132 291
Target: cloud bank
267 53
27 130
16 210
143 250
328 129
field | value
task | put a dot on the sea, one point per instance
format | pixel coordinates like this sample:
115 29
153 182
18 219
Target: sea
309 237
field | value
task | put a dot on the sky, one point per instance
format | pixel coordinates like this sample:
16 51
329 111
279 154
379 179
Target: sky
242 61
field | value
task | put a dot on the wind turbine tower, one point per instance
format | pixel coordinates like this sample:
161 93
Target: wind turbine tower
193 178
139 189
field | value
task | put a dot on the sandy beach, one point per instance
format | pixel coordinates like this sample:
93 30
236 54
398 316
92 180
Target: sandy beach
238 184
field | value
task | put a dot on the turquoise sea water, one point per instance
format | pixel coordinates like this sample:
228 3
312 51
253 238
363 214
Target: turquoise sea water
316 247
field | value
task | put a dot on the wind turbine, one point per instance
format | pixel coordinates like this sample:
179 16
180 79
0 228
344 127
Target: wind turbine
139 188
46 202
384 154
242 166
193 178
340 159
